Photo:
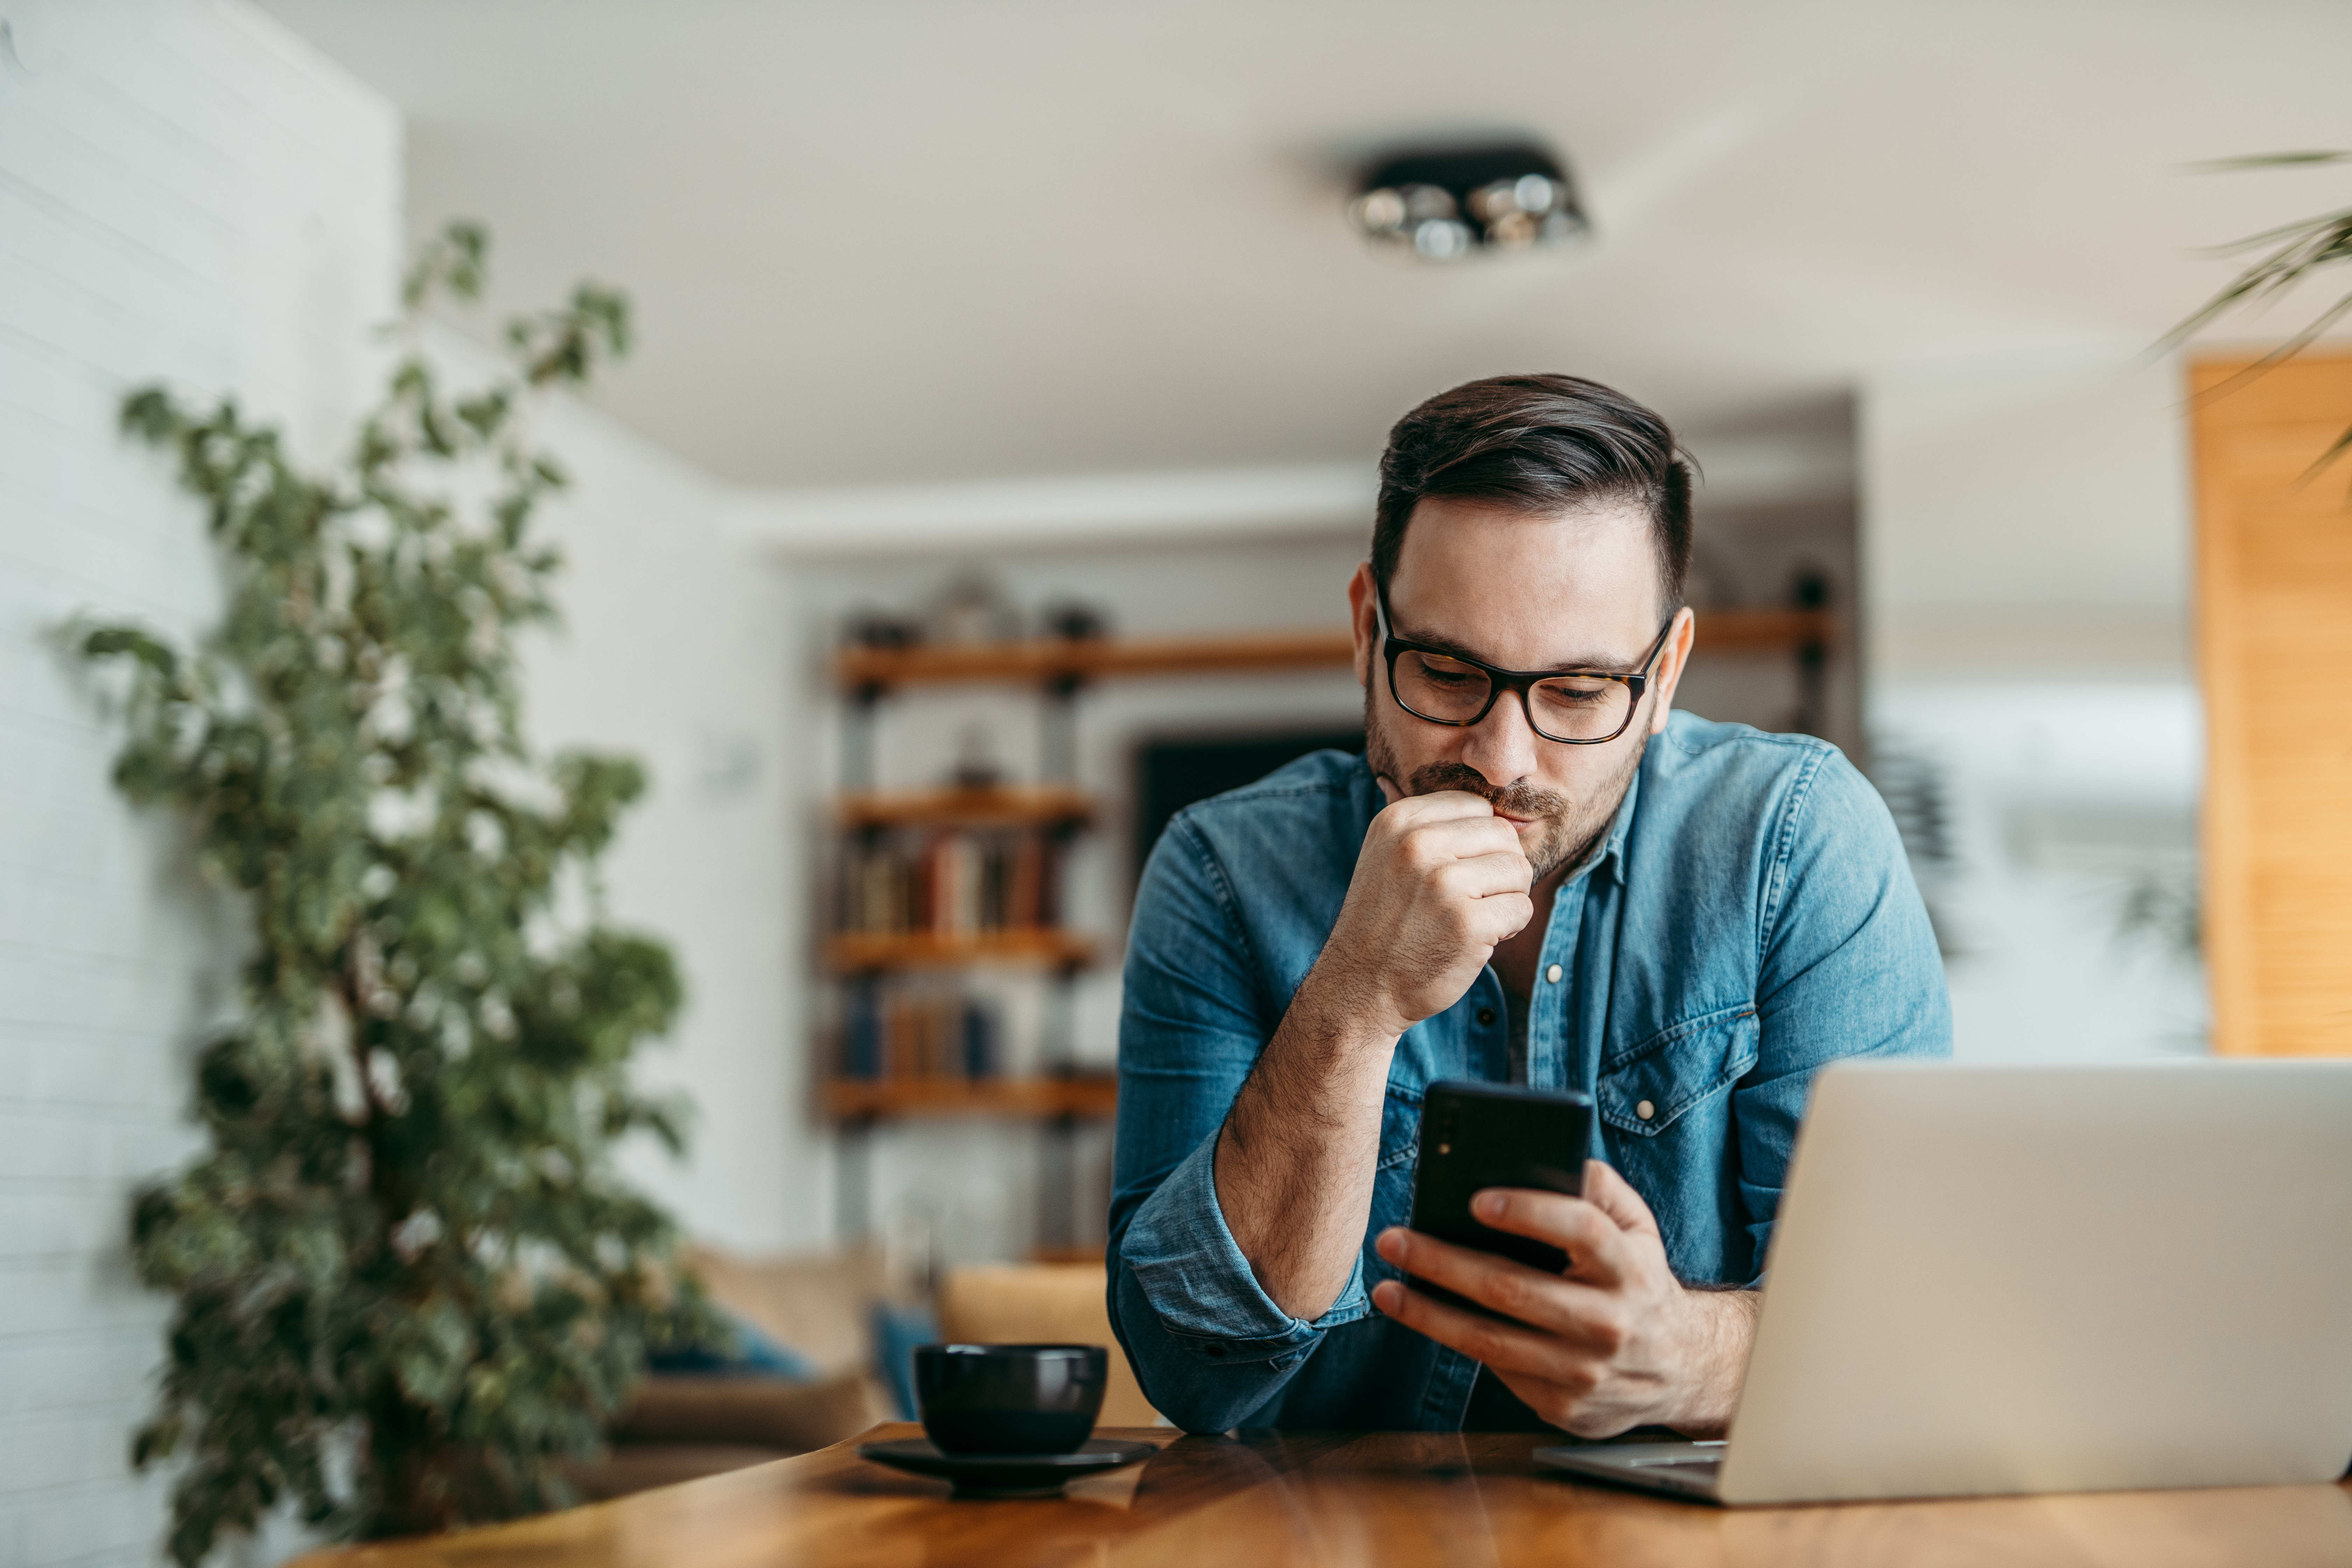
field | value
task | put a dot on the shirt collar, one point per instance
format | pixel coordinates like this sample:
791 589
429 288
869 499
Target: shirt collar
1612 858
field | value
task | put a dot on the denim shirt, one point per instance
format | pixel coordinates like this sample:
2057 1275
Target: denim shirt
1749 917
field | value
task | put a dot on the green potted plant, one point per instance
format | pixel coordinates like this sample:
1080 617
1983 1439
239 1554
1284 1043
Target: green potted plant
410 1286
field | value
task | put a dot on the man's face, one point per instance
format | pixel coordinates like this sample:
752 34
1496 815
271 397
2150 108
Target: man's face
1575 590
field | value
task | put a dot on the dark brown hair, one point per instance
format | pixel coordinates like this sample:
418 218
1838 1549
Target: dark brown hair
1540 443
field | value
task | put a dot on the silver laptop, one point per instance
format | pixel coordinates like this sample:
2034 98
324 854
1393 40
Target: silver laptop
2037 1279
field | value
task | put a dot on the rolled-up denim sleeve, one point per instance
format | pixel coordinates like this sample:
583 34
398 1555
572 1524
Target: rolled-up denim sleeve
1849 968
1208 1344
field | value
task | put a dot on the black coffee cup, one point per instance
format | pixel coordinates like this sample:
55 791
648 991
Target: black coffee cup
1009 1399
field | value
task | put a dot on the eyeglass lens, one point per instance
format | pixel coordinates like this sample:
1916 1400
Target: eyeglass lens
1565 708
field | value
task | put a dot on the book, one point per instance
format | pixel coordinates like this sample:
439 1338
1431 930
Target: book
950 882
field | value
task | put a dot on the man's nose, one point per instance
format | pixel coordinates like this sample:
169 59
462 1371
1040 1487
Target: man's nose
1502 745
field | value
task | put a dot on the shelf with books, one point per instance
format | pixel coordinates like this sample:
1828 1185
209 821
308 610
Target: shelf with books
1066 1255
868 952
937 889
1083 1096
1764 631
986 805
1044 660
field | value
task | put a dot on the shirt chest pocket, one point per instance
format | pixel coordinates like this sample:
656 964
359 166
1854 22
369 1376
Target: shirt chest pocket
1392 1176
1400 1130
1644 1090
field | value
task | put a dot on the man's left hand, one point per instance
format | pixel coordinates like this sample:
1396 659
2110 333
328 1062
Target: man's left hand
1613 1342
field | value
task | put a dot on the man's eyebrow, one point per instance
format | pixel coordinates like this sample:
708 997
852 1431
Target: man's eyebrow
1442 644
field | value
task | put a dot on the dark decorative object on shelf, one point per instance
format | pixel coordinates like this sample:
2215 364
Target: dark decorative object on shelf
1073 621
1810 589
1443 202
879 629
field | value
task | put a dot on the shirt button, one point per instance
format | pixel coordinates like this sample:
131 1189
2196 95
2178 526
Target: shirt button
1645 1110
1552 974
1485 1014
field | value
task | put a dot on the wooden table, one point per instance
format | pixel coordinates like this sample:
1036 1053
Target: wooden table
1359 1499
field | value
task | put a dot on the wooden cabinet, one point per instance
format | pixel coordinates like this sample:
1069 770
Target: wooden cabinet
2274 635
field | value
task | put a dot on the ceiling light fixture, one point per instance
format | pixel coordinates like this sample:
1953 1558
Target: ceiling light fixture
1445 203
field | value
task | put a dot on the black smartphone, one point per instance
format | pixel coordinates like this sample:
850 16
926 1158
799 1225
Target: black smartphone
1479 1135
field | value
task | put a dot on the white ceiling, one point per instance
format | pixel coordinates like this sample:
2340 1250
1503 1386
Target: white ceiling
900 241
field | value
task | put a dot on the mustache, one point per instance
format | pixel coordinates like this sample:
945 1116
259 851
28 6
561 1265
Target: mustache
1520 799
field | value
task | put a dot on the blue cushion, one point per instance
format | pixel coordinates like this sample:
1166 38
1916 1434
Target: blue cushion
896 1331
752 1355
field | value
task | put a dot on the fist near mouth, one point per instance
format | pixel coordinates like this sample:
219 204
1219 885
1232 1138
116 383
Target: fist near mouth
1441 880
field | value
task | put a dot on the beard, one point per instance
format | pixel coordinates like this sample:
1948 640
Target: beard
1570 828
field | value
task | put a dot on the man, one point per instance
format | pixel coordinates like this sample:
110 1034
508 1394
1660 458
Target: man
1536 872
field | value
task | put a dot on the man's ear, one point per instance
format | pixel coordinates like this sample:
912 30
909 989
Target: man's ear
1365 623
1679 643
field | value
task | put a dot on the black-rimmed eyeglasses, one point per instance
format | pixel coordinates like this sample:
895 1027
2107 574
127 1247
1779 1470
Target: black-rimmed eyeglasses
1574 707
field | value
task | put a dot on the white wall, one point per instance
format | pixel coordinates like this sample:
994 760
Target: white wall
675 647
2032 506
2026 555
185 191
2069 803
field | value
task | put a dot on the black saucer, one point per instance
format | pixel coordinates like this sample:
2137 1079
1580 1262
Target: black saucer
1006 1475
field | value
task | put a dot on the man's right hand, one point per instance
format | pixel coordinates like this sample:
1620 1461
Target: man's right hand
1441 880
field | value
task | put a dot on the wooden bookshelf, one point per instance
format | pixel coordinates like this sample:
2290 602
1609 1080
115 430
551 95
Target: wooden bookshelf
1765 631
868 669
1090 1096
879 670
1008 805
1062 1257
868 952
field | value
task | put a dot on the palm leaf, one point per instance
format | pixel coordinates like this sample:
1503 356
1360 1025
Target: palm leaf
2294 252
